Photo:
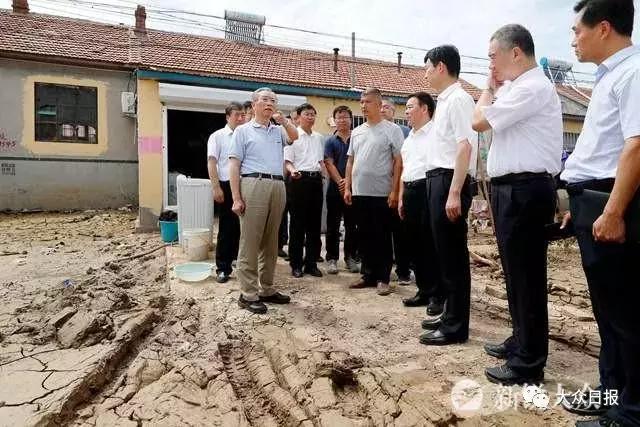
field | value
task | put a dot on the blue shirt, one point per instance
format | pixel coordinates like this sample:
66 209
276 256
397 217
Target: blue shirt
336 149
612 118
405 130
259 148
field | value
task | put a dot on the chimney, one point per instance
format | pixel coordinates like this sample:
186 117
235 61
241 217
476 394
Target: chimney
335 59
399 61
20 6
141 19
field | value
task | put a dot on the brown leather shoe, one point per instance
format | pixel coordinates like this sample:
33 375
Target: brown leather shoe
361 283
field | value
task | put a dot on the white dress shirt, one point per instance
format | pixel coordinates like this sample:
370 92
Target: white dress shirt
527 127
414 153
612 117
218 147
306 152
452 125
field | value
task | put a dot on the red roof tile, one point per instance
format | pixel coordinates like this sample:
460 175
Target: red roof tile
60 37
580 95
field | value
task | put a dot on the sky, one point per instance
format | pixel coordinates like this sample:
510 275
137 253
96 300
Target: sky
422 24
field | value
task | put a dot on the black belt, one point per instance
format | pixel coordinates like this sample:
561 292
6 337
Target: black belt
263 175
605 185
416 183
511 178
310 174
438 171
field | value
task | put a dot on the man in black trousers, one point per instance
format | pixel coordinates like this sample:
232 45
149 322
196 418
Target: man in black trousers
411 206
304 161
451 158
218 148
525 155
607 160
373 178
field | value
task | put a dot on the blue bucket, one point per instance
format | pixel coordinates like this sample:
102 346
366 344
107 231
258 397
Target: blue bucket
169 231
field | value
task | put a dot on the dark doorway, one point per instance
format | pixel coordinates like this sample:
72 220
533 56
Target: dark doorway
188 133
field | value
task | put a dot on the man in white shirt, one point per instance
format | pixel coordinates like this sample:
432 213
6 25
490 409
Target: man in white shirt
607 160
373 179
218 148
401 239
411 204
451 159
303 161
525 155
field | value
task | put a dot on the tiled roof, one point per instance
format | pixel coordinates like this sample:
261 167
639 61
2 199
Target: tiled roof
66 38
580 95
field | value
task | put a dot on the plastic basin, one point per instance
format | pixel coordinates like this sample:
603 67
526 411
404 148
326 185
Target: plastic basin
193 271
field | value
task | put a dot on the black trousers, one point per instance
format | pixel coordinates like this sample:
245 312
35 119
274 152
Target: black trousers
305 205
283 231
612 276
228 232
373 217
336 211
521 209
452 254
401 253
422 253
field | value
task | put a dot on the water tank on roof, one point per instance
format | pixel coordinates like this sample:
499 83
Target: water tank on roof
556 69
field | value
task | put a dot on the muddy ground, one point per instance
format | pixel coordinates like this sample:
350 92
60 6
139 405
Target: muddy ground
95 330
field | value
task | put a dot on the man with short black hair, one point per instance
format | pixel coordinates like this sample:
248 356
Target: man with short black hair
411 206
399 235
451 159
335 161
218 148
603 177
303 161
256 165
373 178
248 111
524 158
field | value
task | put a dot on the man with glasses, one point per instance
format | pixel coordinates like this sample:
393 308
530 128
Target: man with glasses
335 160
303 161
256 166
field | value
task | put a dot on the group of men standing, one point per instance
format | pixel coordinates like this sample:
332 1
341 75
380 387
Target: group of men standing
386 183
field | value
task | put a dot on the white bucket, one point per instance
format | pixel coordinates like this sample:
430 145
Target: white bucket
196 243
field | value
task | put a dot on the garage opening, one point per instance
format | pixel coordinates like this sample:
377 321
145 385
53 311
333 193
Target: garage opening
187 136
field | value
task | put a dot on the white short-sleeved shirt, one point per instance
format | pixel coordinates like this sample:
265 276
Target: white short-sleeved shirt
451 125
414 153
526 119
306 152
218 147
612 117
373 149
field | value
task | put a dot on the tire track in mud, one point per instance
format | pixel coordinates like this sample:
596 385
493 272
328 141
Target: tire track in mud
254 382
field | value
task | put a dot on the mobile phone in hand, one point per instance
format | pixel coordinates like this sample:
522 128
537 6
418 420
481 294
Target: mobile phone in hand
553 231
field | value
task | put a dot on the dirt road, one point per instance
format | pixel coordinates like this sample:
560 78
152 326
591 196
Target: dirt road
91 334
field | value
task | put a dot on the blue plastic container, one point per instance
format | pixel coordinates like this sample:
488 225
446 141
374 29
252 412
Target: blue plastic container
169 231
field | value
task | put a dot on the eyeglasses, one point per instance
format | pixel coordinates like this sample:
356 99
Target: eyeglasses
268 99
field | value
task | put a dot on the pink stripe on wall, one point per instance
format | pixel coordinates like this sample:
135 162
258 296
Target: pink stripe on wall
150 144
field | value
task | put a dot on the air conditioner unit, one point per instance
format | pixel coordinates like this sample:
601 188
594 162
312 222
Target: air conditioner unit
128 103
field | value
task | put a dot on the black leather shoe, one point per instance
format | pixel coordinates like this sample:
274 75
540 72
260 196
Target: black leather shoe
600 422
431 324
438 338
435 307
415 301
222 277
361 284
282 253
253 306
584 408
297 273
496 350
277 298
506 376
314 271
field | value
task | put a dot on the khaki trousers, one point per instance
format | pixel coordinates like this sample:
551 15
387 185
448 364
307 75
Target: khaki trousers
264 203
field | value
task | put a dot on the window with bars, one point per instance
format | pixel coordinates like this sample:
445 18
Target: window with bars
66 113
569 140
358 120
